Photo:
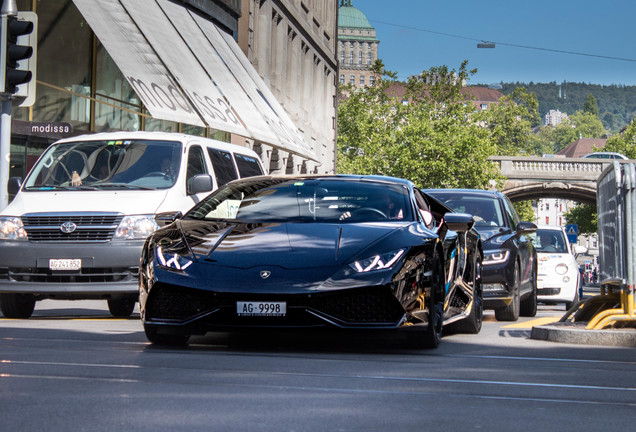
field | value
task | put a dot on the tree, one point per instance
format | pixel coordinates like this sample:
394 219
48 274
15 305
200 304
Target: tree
524 210
583 215
590 106
625 142
427 134
587 125
510 122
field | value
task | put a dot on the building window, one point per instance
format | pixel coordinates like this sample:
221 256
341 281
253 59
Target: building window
547 206
351 57
341 79
484 106
372 80
547 220
352 79
342 57
361 80
360 58
368 58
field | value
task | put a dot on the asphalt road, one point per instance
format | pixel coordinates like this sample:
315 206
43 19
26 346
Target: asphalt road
74 368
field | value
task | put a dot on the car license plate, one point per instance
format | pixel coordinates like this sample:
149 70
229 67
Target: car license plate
257 308
65 264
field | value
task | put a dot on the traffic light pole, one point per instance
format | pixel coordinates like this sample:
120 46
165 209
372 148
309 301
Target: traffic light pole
5 151
8 8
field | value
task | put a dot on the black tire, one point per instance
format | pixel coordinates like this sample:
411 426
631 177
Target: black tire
568 305
121 307
432 336
166 339
529 304
473 322
17 305
511 312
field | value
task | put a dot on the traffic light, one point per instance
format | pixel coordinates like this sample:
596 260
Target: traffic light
18 47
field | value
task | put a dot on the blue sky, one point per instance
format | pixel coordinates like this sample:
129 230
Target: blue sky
418 34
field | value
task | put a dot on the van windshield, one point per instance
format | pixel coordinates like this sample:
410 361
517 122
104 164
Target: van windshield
92 165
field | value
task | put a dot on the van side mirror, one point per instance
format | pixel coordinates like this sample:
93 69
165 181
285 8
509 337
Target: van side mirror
13 185
200 183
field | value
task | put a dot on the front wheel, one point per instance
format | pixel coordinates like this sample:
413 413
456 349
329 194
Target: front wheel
511 312
472 323
19 306
121 307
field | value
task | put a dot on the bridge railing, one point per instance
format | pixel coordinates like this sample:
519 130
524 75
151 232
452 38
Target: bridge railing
553 168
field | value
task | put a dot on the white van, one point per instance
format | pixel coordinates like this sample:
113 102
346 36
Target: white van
78 222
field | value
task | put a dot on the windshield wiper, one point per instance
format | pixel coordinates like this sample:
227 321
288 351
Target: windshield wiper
59 187
121 186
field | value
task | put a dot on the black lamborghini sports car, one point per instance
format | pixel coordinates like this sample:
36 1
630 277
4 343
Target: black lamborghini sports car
348 252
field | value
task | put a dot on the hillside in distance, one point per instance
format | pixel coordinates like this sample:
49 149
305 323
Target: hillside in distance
616 103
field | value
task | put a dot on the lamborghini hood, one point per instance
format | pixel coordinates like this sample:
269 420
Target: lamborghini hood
287 245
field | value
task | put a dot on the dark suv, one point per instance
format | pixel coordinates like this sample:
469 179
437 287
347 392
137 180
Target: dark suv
509 271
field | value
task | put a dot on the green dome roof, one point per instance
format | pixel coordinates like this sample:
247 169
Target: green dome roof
350 17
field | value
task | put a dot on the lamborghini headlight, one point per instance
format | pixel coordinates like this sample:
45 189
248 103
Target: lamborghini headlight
136 227
11 228
172 260
377 262
498 256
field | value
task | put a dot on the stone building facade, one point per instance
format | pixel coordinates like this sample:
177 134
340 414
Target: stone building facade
292 45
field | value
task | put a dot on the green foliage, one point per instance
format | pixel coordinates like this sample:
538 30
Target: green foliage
524 210
510 122
590 106
617 100
432 140
624 143
583 215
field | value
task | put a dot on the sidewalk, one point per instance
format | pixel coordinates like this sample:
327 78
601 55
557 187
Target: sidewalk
576 333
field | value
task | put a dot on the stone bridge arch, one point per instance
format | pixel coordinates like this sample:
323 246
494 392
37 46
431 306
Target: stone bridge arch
533 177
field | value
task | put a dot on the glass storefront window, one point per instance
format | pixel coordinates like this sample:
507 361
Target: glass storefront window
117 103
64 65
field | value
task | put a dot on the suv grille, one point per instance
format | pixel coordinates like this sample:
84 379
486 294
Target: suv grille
90 227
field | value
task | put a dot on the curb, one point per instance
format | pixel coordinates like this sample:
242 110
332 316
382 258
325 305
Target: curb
578 334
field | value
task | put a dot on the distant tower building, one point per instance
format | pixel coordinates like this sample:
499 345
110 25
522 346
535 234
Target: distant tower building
555 117
357 46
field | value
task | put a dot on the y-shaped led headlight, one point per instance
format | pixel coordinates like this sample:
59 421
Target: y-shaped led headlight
377 262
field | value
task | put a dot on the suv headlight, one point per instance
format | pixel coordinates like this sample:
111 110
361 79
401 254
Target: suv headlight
377 262
11 228
498 256
136 227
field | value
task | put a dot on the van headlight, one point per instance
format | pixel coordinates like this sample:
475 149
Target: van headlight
11 228
136 227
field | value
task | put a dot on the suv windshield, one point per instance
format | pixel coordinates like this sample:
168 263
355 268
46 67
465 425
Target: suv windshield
129 164
486 211
324 201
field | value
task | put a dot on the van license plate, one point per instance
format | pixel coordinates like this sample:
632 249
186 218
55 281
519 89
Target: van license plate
65 264
262 309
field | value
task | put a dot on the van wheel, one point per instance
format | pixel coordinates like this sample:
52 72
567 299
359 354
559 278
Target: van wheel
121 307
17 305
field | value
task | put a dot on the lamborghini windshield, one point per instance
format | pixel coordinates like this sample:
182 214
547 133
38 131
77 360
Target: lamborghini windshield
313 200
89 165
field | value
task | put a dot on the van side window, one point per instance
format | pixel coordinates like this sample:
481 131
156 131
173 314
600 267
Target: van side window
248 166
196 163
223 166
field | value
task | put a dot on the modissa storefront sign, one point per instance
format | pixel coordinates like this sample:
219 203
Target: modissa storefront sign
53 130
